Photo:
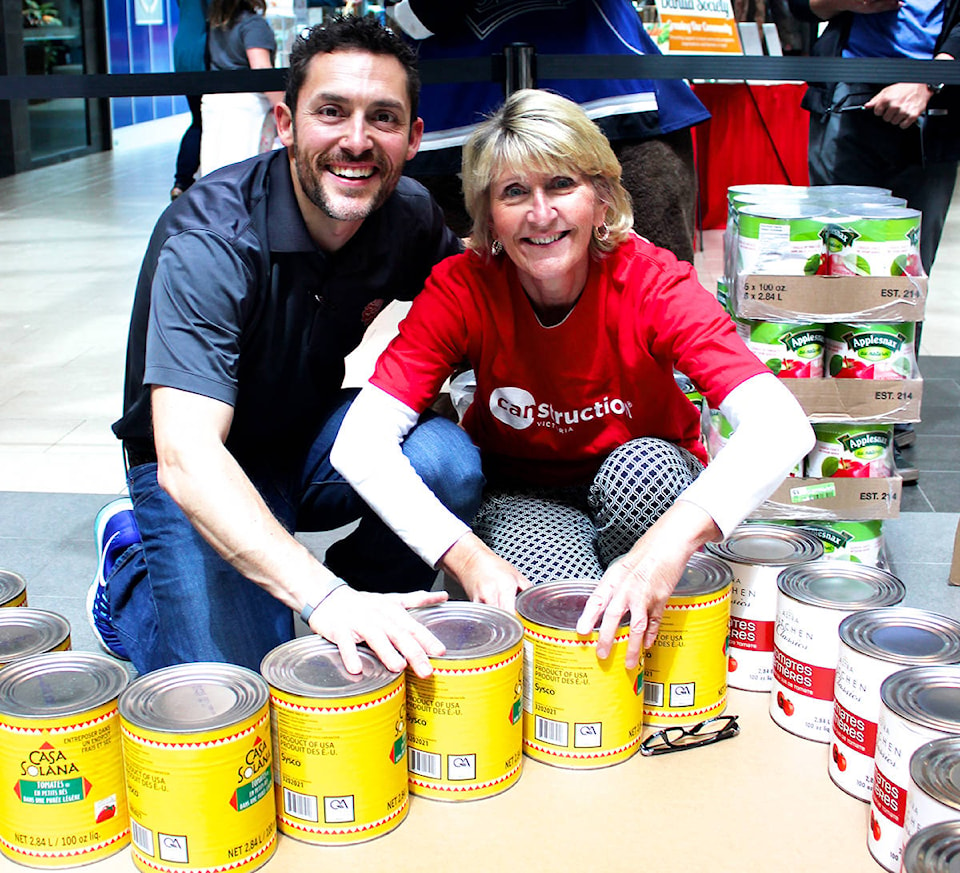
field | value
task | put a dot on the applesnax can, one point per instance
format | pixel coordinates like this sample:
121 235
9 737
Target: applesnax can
860 542
756 554
578 712
852 451
918 704
685 671
935 849
812 601
464 721
791 350
874 644
27 631
198 762
13 589
870 351
933 785
61 765
339 746
779 238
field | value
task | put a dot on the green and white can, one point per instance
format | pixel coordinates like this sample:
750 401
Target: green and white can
870 350
778 239
791 350
845 451
859 542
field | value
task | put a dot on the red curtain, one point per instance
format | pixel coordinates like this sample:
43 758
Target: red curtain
758 133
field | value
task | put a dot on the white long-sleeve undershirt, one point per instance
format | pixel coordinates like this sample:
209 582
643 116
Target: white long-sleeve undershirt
771 434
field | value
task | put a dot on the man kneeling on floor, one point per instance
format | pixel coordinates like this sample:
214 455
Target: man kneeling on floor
256 283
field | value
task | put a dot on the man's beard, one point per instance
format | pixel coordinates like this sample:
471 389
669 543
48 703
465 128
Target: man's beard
343 207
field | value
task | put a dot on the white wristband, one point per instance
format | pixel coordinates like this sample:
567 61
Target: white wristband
311 605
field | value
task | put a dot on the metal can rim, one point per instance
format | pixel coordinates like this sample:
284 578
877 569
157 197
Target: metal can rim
935 768
287 669
140 703
102 680
933 849
903 694
794 582
858 631
572 593
12 585
506 630
710 576
806 546
53 630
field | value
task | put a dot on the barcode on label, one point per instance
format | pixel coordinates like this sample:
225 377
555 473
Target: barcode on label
300 805
549 731
425 763
653 693
142 837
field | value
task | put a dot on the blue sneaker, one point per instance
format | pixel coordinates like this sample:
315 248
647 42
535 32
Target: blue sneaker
116 531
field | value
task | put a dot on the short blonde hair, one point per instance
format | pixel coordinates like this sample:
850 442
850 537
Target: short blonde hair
544 132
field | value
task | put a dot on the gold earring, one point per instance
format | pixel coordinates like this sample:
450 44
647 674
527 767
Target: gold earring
602 233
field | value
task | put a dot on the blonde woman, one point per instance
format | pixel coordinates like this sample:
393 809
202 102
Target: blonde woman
574 326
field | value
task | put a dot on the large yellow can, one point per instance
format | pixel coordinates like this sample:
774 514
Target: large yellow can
339 743
27 631
61 767
578 711
198 763
464 724
685 671
13 589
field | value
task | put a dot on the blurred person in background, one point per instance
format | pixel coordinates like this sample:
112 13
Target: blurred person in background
189 56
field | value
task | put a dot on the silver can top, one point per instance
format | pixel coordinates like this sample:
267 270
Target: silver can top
841 585
935 769
11 585
903 635
192 698
312 667
559 604
769 545
26 631
704 574
60 684
470 630
925 696
934 849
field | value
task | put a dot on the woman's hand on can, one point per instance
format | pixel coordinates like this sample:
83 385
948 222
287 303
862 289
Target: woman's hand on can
484 575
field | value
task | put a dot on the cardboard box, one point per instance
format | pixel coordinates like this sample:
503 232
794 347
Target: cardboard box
858 400
834 499
830 298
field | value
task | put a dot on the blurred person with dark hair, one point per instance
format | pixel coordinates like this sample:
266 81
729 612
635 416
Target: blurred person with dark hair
238 126
190 55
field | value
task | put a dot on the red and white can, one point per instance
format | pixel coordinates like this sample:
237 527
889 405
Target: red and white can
812 601
917 705
933 785
873 644
935 849
756 555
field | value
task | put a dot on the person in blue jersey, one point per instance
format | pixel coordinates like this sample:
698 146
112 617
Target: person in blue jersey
647 121
904 136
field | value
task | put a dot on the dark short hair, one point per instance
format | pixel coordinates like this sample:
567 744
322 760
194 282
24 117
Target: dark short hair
350 33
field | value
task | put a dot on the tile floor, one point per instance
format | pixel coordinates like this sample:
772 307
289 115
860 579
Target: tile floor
71 240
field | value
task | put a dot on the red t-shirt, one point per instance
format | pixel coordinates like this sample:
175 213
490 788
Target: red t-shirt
552 402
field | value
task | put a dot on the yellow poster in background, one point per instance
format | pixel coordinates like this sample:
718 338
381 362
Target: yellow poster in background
696 27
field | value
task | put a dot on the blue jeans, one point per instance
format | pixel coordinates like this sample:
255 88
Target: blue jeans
173 599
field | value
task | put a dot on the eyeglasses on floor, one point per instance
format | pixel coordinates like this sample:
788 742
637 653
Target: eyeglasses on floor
678 739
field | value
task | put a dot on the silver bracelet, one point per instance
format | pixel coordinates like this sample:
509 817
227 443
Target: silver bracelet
311 605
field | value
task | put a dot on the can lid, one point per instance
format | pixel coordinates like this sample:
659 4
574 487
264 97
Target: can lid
841 585
312 667
935 768
559 604
190 698
59 684
903 635
925 696
768 545
27 631
703 574
933 849
11 585
470 630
